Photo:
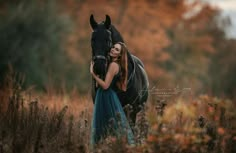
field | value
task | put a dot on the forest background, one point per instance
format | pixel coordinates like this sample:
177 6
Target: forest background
182 44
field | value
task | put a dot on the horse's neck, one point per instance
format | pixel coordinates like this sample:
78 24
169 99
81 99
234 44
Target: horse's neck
116 36
129 55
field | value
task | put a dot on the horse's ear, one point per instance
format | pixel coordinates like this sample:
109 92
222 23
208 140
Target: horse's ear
107 22
93 23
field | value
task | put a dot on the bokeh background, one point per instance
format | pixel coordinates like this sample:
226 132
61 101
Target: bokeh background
45 84
189 44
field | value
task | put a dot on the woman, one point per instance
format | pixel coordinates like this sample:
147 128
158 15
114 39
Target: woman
108 117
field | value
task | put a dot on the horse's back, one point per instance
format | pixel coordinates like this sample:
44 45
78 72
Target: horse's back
137 60
137 82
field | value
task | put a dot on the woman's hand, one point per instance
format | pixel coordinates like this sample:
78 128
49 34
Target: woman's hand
91 67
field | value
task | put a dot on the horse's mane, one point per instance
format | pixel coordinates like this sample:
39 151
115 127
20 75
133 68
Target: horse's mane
116 36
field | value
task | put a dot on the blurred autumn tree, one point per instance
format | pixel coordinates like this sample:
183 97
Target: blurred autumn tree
201 56
222 69
191 48
32 42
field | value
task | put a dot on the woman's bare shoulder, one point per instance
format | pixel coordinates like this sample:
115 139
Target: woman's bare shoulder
114 66
114 63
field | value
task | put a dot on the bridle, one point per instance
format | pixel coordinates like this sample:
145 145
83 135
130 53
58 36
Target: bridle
100 57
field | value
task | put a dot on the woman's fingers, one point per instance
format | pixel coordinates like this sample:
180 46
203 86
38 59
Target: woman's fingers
91 67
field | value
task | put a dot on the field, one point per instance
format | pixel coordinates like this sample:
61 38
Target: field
60 123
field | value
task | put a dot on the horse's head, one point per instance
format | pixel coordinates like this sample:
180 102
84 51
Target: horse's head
101 43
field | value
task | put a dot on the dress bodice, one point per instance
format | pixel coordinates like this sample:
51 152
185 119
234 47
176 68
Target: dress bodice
114 80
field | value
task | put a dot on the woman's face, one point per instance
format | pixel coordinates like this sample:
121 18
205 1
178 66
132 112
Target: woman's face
115 51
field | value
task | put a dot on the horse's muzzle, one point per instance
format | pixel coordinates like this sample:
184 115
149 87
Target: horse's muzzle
100 65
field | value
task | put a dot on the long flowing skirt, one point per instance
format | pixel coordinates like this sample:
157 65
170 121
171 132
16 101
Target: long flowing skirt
109 118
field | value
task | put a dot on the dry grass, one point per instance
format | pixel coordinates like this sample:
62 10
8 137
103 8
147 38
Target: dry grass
34 123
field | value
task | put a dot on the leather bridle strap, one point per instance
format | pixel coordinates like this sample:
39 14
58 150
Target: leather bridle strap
99 57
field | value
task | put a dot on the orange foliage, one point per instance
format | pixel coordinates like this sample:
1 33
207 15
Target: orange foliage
143 25
221 131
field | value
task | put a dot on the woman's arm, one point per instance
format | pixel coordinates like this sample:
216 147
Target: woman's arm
112 71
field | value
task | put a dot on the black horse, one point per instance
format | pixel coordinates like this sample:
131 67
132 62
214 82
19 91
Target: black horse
104 35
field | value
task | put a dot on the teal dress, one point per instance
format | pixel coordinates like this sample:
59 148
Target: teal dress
108 117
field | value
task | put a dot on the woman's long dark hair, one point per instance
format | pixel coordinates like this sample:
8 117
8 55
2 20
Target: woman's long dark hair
123 62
